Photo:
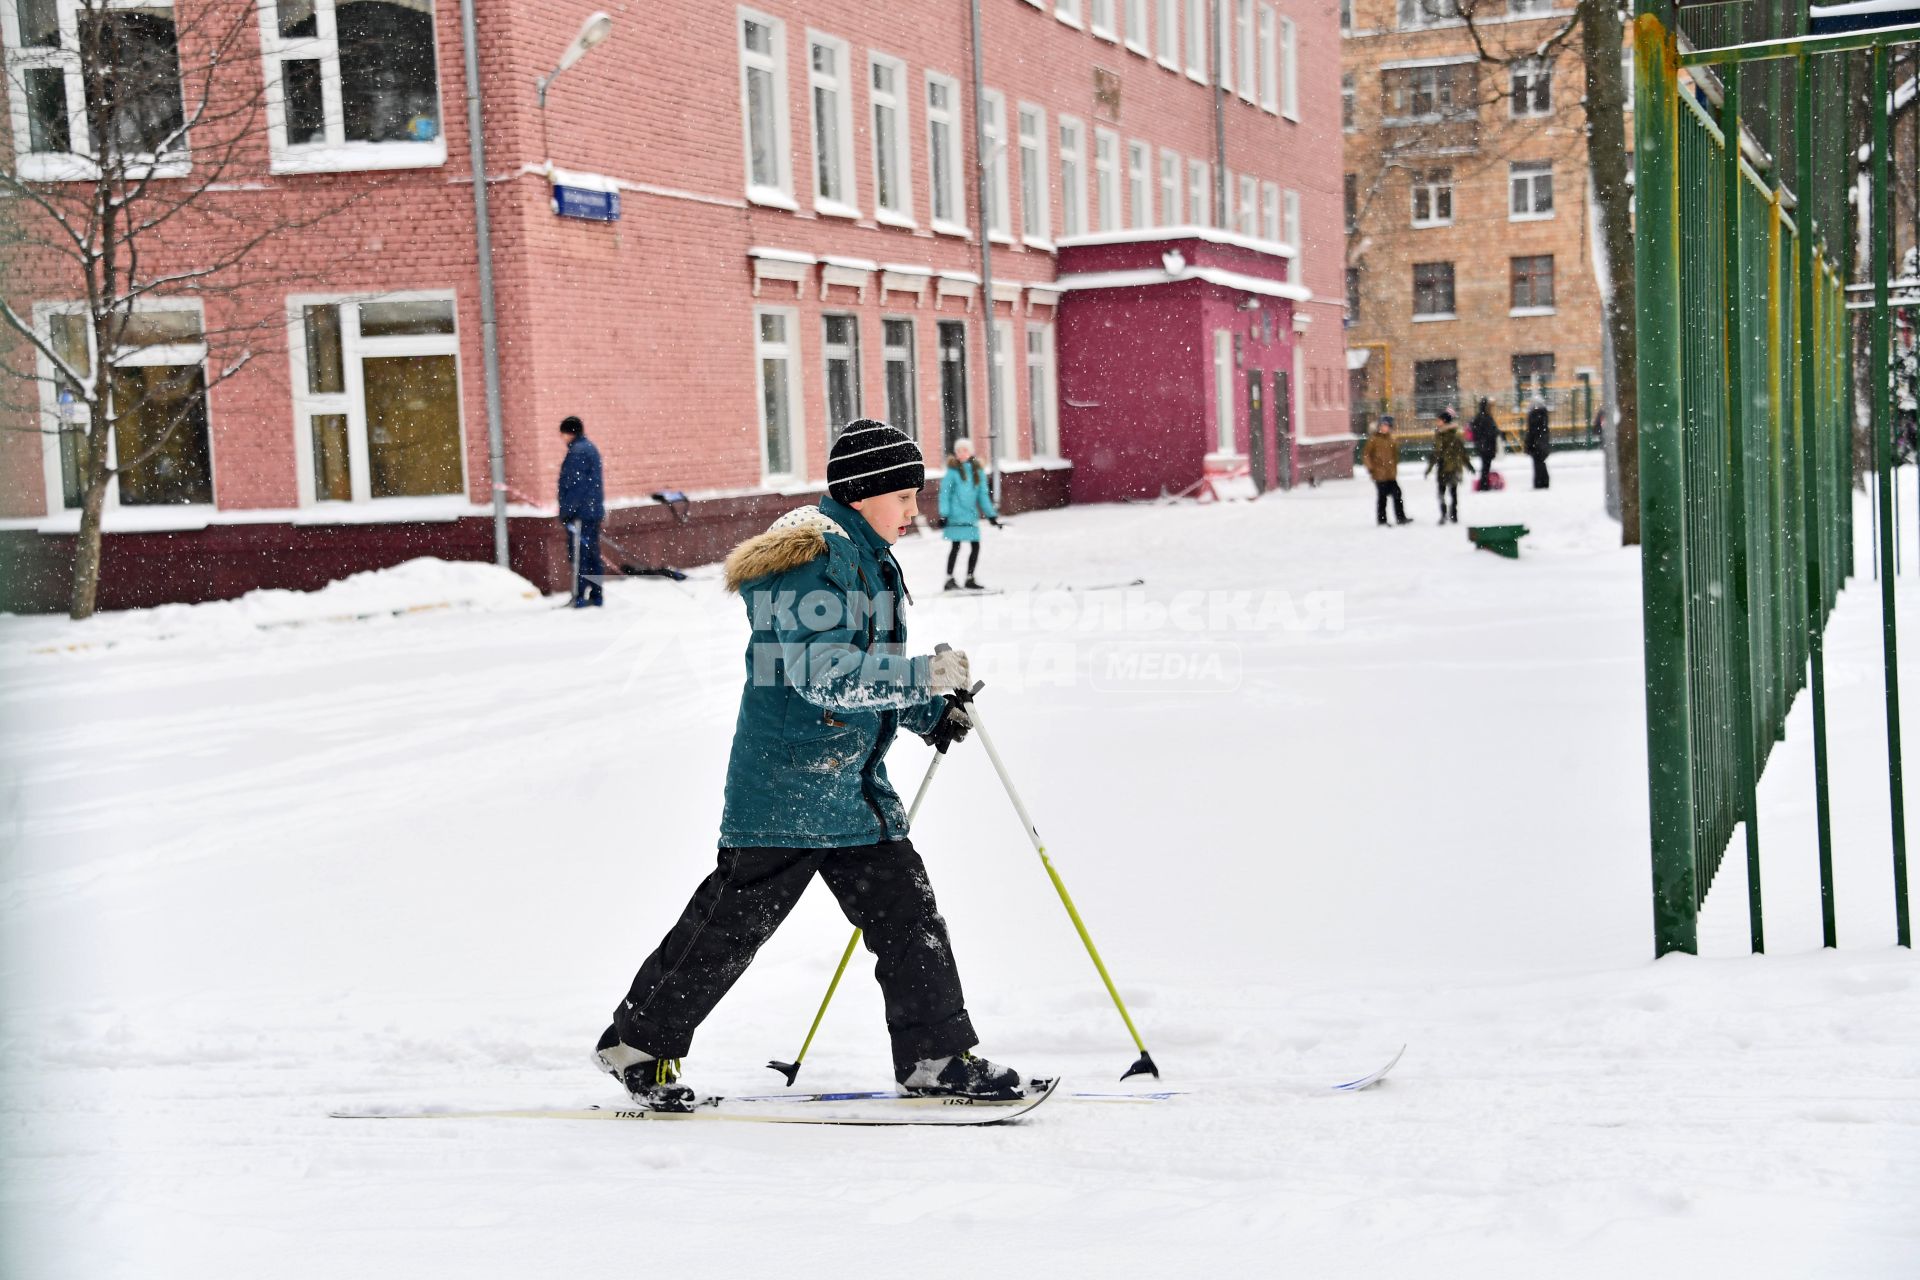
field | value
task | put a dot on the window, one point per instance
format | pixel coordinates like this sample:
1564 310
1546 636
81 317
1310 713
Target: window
892 185
1532 376
157 389
1426 13
763 87
1290 219
347 76
776 372
140 119
1199 193
1137 27
1106 178
1432 198
1518 7
1433 289
1436 386
1170 188
993 123
1530 190
1532 279
1223 35
1197 65
1289 69
1035 225
1169 13
377 395
1352 191
1349 100
1043 401
1248 222
1103 19
1243 46
1139 190
1269 211
943 154
903 393
1346 17
840 347
1073 177
1532 83
1068 11
832 127
1415 94
1223 397
1269 61
1001 385
1353 297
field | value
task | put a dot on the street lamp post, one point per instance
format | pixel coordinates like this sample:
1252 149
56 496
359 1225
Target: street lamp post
597 27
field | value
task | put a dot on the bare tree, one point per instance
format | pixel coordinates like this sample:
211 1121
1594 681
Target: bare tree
136 270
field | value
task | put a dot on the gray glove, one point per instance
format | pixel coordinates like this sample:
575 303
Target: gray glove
947 672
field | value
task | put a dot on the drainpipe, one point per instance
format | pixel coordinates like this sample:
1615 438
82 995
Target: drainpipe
483 249
981 161
1220 193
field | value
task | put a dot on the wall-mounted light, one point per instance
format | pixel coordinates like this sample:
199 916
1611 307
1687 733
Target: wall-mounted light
597 27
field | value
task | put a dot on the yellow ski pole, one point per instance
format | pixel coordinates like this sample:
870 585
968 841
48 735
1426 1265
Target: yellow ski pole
1144 1065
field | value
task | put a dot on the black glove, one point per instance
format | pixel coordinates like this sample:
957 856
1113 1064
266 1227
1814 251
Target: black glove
994 521
951 728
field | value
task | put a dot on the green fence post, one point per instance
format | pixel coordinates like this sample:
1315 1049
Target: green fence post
1816 619
1663 560
1733 322
1879 368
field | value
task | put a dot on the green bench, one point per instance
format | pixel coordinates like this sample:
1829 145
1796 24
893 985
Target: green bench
1501 539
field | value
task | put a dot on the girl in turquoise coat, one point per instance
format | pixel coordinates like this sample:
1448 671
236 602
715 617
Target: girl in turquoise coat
964 498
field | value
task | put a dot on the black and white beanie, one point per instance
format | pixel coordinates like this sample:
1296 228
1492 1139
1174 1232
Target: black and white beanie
872 458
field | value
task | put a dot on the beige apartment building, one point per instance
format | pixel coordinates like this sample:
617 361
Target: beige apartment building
1469 250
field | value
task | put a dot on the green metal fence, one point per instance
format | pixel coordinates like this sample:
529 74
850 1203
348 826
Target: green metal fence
1744 449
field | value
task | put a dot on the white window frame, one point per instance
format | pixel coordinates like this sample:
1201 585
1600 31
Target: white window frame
849 352
1043 383
1199 193
1421 181
1225 417
1247 223
1199 67
1068 11
1527 172
351 400
845 205
1269 61
336 154
788 351
1171 165
1073 178
1101 20
78 164
1270 212
1106 179
1349 103
1002 356
778 194
1289 69
183 353
889 358
897 102
1520 105
1291 231
950 116
1137 33
1244 51
1139 184
1168 13
993 123
1036 215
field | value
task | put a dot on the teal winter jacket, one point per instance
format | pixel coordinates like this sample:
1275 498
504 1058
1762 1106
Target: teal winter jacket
828 683
964 498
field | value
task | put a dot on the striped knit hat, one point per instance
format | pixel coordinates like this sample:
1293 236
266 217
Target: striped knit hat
871 458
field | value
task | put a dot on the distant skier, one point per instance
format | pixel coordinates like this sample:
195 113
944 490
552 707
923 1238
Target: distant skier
1539 439
1382 459
828 682
1486 442
964 498
582 508
1450 459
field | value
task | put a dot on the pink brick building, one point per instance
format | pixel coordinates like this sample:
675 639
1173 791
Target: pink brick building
797 243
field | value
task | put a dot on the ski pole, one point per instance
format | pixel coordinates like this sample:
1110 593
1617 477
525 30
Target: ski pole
792 1069
1145 1065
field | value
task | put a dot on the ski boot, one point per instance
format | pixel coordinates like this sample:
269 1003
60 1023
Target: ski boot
653 1083
963 1076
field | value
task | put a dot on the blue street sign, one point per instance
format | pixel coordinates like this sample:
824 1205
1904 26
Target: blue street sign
581 202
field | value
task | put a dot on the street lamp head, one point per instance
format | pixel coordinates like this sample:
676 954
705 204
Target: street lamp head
597 27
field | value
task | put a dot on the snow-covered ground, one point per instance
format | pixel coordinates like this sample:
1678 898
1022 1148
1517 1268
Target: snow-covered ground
406 845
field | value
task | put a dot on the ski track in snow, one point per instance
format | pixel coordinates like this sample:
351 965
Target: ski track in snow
255 870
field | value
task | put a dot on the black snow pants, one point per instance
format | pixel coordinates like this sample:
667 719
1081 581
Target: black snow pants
1450 500
1382 490
882 888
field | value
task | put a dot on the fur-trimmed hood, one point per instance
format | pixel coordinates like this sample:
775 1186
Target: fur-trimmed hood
796 538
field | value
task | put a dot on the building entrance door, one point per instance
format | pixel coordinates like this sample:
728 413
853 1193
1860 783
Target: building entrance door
953 383
1256 430
1283 426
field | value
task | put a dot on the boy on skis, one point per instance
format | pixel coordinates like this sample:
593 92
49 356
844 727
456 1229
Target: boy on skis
828 683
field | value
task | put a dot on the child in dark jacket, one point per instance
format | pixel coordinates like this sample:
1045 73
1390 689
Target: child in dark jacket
1451 461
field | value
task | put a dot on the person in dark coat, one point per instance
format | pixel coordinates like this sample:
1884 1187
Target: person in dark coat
829 683
1486 442
1539 440
583 506
1449 458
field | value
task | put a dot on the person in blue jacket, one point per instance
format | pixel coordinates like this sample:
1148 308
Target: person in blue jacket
964 498
828 684
583 506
